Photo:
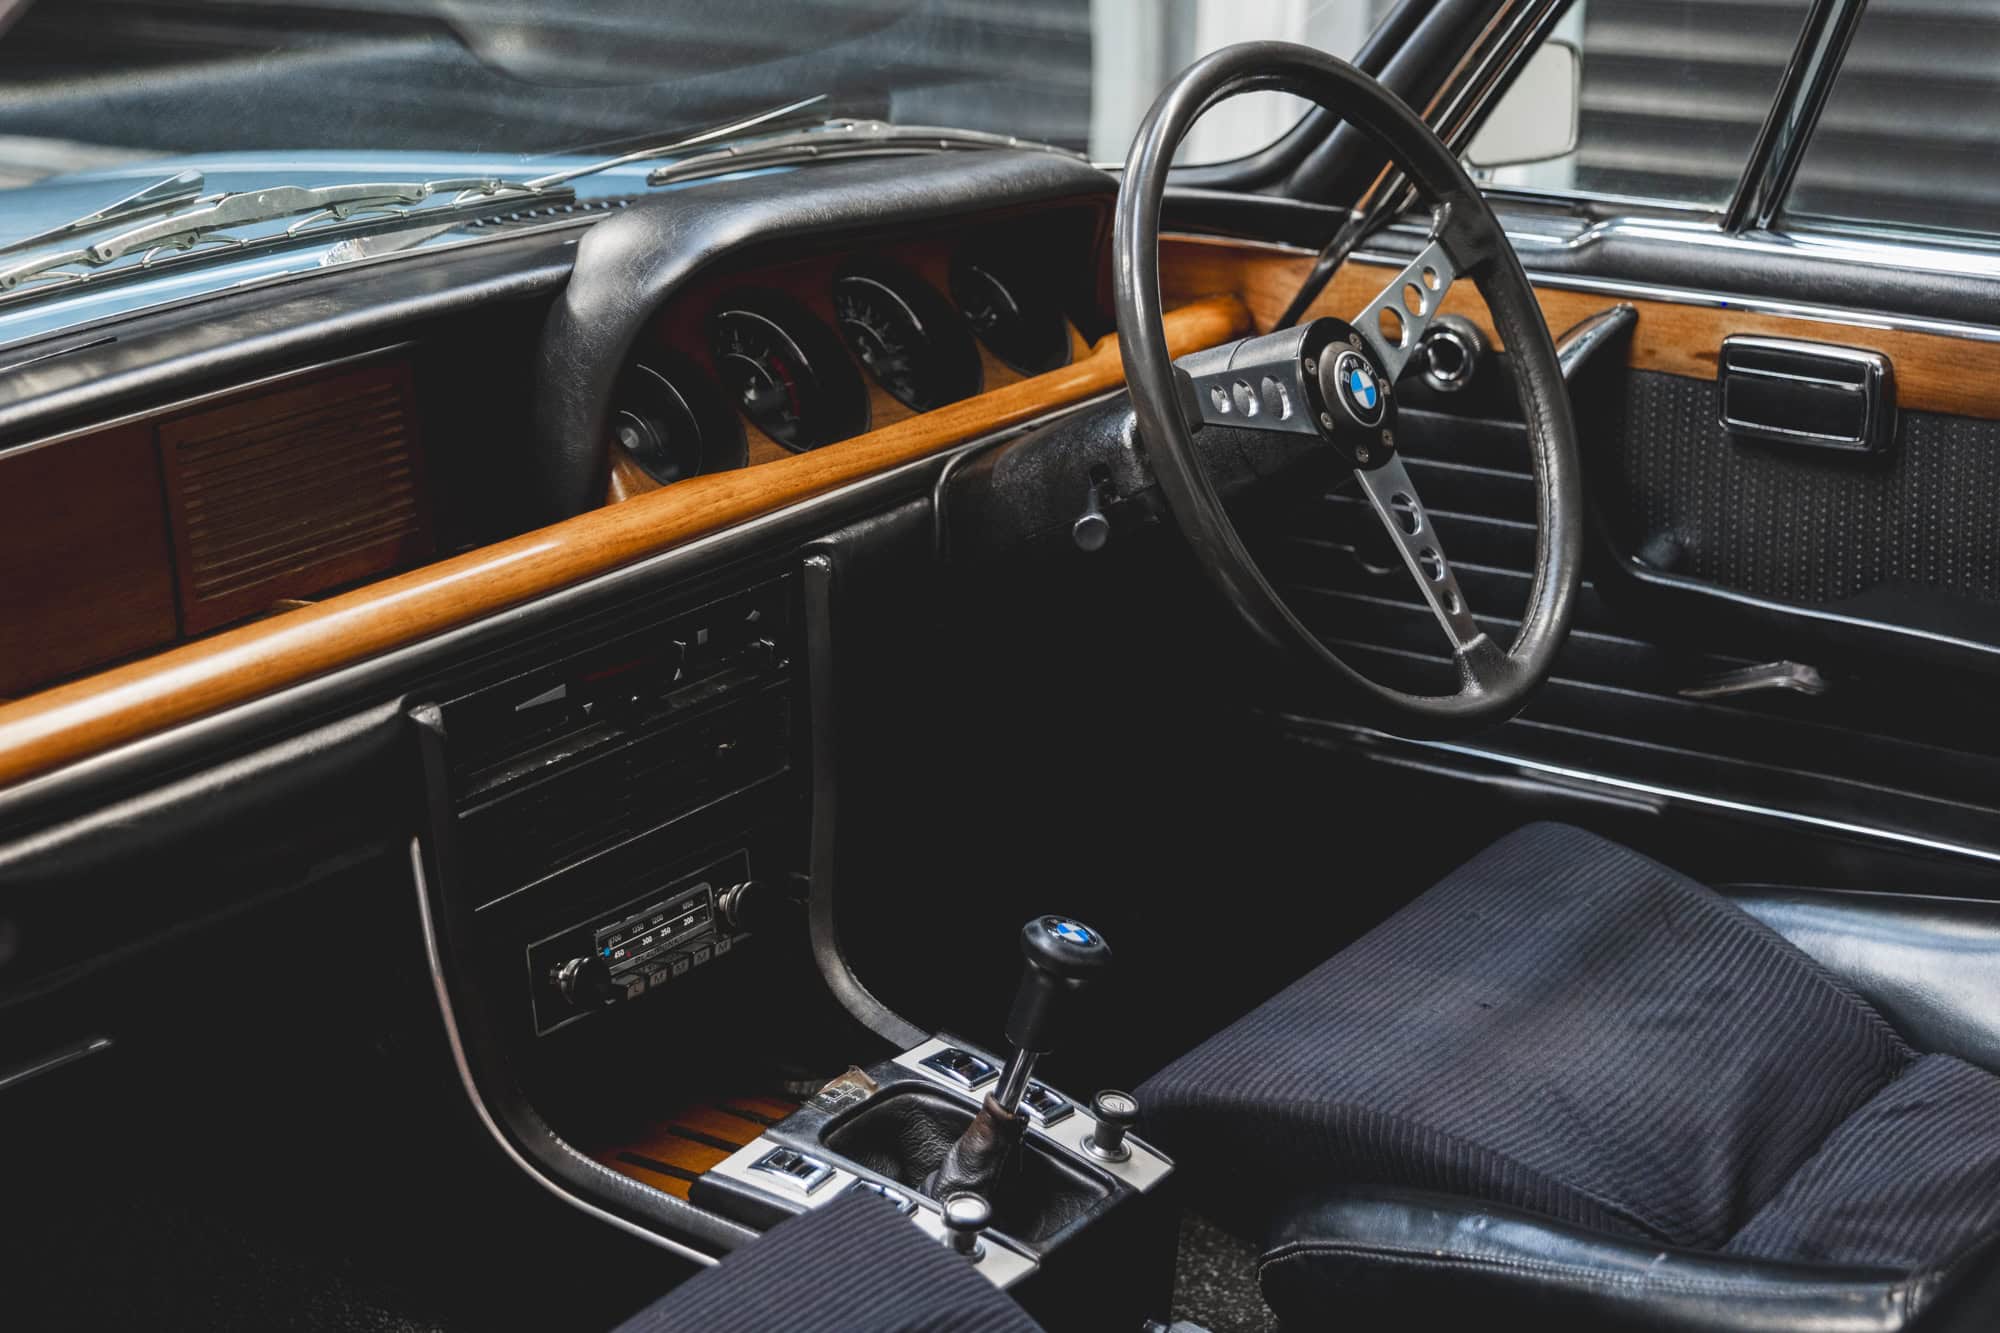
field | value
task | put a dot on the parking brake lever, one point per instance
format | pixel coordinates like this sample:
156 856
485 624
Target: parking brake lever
1062 957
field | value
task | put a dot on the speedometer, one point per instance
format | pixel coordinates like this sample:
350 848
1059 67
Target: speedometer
787 370
1012 312
915 345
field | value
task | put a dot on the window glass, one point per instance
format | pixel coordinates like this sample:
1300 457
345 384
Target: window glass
1672 92
1138 45
99 83
1911 133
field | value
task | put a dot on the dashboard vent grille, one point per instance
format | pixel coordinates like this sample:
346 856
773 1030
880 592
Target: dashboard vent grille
290 493
542 214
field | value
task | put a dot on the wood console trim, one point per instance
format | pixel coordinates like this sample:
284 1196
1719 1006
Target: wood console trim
1935 372
70 722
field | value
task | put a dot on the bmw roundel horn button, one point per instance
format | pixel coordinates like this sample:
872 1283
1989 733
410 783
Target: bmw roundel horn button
1359 389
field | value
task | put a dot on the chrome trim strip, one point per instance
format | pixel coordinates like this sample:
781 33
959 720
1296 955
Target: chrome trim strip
458 1059
1657 579
1836 247
1724 300
54 1060
1635 787
1817 55
1881 254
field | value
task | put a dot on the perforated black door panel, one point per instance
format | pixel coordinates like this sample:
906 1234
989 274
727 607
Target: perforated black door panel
1805 525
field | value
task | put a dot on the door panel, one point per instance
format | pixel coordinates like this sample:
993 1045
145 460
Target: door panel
1816 544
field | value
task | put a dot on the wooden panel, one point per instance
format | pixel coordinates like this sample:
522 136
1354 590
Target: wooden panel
1934 372
85 573
669 1153
294 491
72 721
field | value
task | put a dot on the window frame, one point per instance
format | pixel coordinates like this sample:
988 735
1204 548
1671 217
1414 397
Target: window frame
1757 211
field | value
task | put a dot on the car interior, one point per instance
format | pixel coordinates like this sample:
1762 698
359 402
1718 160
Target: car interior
939 735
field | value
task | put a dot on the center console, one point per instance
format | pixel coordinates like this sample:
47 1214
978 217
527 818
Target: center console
1072 1225
619 879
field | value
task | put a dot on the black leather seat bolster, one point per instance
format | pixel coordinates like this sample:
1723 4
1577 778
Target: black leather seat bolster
1385 1258
1931 966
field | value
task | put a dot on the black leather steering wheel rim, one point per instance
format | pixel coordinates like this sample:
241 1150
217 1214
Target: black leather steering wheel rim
1495 683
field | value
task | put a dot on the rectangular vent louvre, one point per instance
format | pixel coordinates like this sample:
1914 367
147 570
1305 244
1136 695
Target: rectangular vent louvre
293 492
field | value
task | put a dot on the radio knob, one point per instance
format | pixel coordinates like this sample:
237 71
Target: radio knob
586 983
747 906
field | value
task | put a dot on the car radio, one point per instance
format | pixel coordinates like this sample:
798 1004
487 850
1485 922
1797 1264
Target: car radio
646 944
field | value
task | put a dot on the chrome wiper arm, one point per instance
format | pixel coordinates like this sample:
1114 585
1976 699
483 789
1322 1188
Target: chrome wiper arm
728 129
840 139
207 222
163 194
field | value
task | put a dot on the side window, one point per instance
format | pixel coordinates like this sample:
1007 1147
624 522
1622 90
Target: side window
1907 137
1670 95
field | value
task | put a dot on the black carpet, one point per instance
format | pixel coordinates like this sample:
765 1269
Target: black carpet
1215 1280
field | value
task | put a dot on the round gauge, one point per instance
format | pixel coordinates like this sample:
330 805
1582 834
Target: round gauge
1012 314
673 420
914 344
787 371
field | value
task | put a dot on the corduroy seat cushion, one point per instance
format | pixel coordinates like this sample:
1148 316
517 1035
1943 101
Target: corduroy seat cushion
854 1265
1566 1027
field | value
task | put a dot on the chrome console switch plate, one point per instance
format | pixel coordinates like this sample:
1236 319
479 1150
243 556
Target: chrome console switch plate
1044 1105
903 1203
800 1171
964 1068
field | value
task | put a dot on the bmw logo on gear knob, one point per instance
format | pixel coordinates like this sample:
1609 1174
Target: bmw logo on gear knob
1071 931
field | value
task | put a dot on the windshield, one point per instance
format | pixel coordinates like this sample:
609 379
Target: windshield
96 84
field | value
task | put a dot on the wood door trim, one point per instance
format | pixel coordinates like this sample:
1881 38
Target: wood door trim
1935 372
74 721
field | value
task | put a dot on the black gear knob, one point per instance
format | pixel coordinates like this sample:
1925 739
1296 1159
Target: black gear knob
1062 955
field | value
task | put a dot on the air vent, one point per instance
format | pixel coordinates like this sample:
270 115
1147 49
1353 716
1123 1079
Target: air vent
290 493
543 214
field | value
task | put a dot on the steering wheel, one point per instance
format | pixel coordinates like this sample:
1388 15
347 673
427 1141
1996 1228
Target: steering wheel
1335 380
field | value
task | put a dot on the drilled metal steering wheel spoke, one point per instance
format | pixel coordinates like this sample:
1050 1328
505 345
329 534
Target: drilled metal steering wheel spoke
1395 321
1394 499
1254 383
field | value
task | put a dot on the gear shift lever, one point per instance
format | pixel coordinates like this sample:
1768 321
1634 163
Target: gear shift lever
1062 956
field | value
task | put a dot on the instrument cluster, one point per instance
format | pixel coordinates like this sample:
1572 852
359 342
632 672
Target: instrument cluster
799 357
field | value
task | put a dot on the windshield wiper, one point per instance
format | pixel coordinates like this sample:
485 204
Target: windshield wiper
727 130
206 218
844 138
158 197
206 223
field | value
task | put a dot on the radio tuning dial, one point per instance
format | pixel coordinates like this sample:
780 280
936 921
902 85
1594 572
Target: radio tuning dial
585 983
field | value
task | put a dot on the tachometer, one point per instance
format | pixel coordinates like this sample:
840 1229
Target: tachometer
1011 312
914 344
787 370
673 420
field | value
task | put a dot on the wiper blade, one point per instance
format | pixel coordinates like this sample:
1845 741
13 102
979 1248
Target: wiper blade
844 138
206 223
158 197
728 129
207 220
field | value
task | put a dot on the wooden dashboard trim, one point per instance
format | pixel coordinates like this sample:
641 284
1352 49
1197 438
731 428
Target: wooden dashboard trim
1935 372
70 722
